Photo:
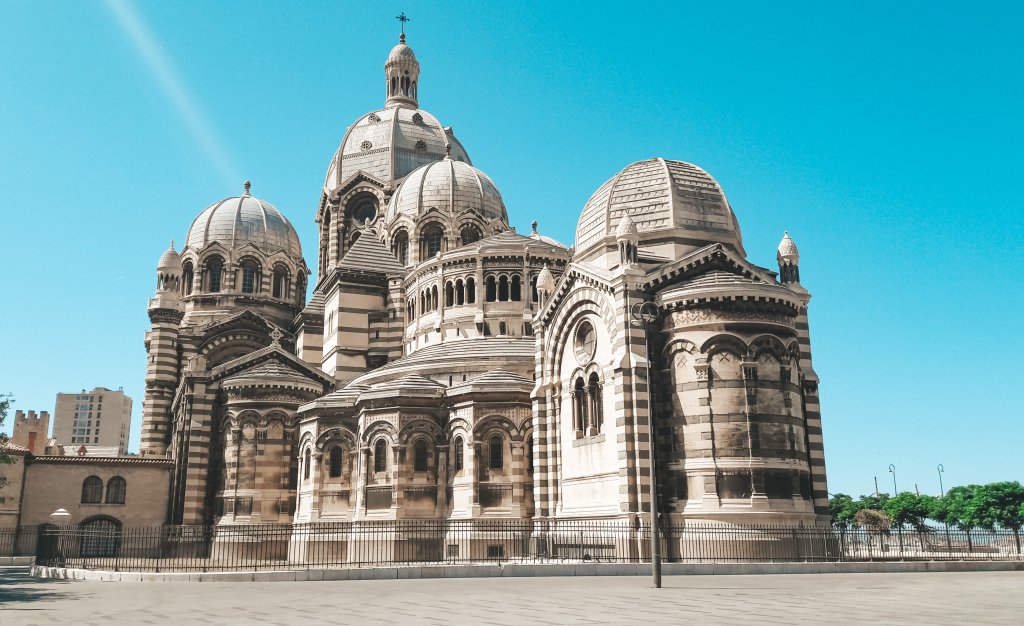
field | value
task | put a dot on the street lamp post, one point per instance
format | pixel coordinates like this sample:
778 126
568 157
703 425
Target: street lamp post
644 314
942 492
892 470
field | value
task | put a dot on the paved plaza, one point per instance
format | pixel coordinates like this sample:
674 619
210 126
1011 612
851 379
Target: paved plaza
931 598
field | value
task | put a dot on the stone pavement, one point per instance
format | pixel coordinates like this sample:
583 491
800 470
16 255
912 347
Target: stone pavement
929 598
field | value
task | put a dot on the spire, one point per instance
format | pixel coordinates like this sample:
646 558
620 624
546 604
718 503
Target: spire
402 72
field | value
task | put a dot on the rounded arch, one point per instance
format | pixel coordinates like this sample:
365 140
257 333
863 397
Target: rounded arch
724 343
187 277
431 239
117 489
362 208
213 273
768 343
580 303
419 428
92 490
101 536
469 233
332 436
280 280
400 245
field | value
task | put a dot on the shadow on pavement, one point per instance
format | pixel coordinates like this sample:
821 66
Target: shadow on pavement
17 588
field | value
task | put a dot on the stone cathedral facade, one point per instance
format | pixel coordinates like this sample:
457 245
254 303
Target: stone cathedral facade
448 367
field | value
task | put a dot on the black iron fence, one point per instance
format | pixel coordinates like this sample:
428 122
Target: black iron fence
20 541
360 544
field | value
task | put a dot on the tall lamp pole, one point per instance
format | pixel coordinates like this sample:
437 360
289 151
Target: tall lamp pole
644 314
892 470
942 492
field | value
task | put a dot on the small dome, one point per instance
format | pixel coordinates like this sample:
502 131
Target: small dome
389 143
244 219
169 262
626 228
788 251
536 236
664 199
451 186
545 280
401 54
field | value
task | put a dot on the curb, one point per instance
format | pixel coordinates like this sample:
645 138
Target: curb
531 570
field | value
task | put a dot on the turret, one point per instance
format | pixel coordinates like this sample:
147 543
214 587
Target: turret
402 72
627 237
168 281
545 285
165 314
789 260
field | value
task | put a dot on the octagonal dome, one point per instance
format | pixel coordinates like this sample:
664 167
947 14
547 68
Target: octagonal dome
451 186
665 200
244 219
389 143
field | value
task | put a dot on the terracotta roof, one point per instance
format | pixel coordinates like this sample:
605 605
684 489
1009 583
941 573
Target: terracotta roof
104 460
10 448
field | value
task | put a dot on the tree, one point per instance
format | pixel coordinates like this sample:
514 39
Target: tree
5 459
1001 504
909 509
843 509
873 520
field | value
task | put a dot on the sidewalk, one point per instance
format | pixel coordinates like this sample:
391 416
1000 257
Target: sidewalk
909 598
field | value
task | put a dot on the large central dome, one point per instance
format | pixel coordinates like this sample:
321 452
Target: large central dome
389 143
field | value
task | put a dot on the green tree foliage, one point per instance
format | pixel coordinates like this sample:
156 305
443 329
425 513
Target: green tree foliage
908 508
5 459
873 520
1000 505
843 509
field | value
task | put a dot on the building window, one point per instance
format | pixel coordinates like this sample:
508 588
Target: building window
433 235
279 289
400 247
364 210
419 456
579 393
116 489
335 462
470 234
250 276
307 459
215 268
470 290
503 288
496 458
186 279
380 456
460 454
492 292
92 490
596 412
449 295
585 342
517 289
100 537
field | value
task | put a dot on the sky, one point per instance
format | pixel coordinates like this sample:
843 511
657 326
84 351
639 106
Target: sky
885 137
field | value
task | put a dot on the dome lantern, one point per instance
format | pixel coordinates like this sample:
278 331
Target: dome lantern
788 257
402 73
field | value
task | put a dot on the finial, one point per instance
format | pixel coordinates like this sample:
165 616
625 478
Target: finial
172 244
275 337
247 186
403 19
533 225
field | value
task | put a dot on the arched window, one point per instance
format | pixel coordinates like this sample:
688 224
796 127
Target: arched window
535 297
431 241
334 462
250 276
116 490
460 292
92 490
412 308
517 288
380 456
596 406
503 288
492 292
279 288
529 454
496 454
449 295
470 291
579 394
419 456
433 298
400 247
187 276
470 234
215 270
460 453
300 288
502 328
307 461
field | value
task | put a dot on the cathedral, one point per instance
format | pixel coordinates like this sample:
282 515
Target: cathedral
446 367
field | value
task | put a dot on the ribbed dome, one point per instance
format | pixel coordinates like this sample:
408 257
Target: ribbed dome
663 199
169 261
401 54
788 250
244 219
451 186
389 143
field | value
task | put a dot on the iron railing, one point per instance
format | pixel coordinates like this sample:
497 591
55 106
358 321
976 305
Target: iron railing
407 542
20 541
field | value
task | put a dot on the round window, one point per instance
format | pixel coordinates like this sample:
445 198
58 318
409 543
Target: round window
365 210
585 342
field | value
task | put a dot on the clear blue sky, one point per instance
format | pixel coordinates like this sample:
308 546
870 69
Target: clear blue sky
886 137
